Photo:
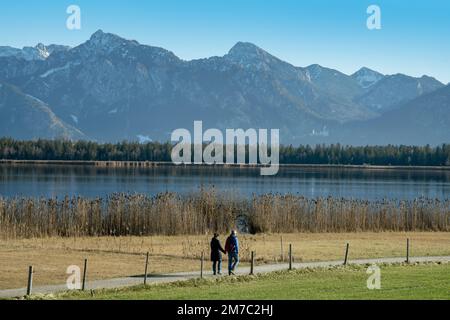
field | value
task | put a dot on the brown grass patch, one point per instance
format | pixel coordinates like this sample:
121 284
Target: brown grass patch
125 256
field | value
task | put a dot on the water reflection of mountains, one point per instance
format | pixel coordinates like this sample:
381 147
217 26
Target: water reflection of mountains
312 182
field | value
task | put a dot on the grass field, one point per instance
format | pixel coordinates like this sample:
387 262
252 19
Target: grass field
422 281
111 257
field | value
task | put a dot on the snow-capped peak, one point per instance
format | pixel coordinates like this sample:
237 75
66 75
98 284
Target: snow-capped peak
42 51
39 52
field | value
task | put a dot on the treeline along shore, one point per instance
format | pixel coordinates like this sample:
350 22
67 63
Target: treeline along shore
207 211
156 164
155 153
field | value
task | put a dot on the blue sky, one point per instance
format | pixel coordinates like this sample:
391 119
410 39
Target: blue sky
414 39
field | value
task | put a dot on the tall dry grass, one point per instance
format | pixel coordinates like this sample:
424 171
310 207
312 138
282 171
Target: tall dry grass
206 212
289 213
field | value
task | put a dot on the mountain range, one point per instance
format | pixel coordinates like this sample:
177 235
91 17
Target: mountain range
110 89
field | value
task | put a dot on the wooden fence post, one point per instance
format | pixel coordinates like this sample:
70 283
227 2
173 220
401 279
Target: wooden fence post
407 250
252 265
201 264
346 255
146 269
282 250
30 280
290 256
83 287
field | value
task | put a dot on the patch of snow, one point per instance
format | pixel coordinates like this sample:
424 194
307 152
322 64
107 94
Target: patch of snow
35 99
124 53
52 71
42 51
74 118
419 87
39 52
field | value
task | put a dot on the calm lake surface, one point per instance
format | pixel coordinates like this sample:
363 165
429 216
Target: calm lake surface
89 181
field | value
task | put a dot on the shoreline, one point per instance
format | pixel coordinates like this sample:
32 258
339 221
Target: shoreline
155 164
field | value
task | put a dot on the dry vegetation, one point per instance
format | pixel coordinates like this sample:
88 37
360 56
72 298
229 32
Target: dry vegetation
125 256
206 211
117 231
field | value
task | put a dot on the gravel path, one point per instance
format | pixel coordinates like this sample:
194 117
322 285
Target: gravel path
164 278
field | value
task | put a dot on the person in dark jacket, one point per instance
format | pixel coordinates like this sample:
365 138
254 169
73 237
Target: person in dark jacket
232 248
216 254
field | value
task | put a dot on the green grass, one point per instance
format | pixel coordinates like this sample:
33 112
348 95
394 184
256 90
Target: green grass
421 281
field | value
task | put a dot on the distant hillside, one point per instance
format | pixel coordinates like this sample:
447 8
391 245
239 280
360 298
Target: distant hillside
419 121
24 117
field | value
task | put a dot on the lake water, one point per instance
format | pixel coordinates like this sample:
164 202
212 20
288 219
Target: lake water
89 181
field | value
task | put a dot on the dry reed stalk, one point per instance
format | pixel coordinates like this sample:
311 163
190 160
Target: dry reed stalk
205 212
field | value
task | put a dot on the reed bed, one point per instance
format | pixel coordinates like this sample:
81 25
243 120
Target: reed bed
207 211
290 213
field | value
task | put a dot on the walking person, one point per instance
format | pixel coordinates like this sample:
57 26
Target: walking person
232 248
216 254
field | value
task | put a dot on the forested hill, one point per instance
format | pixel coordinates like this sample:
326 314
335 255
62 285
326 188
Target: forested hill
11 149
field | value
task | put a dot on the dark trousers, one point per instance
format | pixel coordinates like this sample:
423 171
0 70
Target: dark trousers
217 266
233 261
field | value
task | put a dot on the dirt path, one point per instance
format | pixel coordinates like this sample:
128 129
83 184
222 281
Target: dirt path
164 278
